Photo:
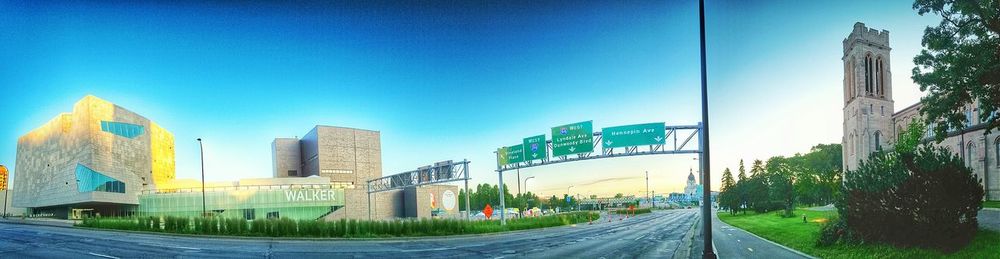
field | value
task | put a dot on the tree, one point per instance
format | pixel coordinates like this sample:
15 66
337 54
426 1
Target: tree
728 197
781 177
960 63
757 168
743 171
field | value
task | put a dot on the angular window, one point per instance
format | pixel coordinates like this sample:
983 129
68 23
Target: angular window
996 149
122 129
88 180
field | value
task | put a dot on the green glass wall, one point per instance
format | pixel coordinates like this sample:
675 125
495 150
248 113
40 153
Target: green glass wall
246 202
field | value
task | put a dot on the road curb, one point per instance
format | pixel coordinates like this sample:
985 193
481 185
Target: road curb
772 242
688 242
38 223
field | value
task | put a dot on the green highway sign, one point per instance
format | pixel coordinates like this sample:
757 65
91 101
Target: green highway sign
534 148
573 138
633 135
510 155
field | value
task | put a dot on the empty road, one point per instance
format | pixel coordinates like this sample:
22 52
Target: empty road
655 235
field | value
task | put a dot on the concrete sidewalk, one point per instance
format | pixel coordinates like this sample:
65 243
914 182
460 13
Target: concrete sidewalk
39 221
732 242
989 218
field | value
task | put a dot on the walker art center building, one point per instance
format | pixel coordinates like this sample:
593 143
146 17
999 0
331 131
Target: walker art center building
104 160
96 159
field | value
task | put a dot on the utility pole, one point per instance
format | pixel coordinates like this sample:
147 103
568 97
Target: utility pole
647 187
706 210
201 147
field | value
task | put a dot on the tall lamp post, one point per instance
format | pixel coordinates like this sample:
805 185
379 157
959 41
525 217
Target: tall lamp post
526 191
706 211
201 147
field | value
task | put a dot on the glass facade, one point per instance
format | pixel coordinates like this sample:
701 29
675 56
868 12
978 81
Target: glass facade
88 180
310 201
122 129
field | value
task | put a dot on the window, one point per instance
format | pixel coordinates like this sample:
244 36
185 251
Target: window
879 77
869 74
273 215
877 137
996 149
293 172
970 157
335 171
968 118
88 180
249 214
122 129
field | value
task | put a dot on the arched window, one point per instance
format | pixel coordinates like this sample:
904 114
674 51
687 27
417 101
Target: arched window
970 154
996 149
853 80
850 144
880 77
869 73
877 137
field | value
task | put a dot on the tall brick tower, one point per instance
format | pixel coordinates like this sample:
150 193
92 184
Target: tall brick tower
868 104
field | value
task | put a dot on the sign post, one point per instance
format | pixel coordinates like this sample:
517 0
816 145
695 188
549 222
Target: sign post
573 138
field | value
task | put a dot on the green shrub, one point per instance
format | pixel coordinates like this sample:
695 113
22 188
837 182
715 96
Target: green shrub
156 223
926 199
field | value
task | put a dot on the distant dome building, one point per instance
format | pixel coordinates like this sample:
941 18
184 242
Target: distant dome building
692 186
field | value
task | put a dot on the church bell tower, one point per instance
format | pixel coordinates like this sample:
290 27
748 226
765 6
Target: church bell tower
868 105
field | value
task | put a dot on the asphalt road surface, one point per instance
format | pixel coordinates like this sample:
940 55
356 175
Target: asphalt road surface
655 235
732 242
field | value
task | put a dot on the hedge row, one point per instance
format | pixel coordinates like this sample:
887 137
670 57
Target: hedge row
347 228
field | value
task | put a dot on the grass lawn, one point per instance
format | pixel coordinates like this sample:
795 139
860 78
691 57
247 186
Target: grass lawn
791 232
991 204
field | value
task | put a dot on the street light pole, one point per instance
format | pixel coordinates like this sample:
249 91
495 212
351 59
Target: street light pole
526 191
706 210
526 183
201 147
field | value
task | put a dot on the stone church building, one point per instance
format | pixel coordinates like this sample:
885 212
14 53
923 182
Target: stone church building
870 123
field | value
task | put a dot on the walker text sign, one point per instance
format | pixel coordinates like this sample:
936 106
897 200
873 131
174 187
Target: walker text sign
534 148
510 155
573 138
633 135
311 195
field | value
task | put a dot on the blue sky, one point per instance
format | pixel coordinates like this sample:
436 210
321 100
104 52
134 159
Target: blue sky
447 80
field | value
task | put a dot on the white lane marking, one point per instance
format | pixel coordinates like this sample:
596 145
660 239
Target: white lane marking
185 247
425 250
751 249
105 256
